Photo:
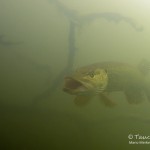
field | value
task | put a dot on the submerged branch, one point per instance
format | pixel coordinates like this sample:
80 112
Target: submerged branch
110 16
71 14
81 20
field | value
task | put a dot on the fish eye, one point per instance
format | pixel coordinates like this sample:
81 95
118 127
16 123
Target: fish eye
91 74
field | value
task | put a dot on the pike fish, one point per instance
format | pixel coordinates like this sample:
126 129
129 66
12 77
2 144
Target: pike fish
106 77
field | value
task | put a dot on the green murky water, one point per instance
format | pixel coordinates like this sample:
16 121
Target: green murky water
34 50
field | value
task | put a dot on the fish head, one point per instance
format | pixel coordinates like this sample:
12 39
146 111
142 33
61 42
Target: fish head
86 82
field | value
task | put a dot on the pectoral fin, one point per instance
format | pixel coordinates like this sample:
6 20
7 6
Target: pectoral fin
81 100
106 100
134 96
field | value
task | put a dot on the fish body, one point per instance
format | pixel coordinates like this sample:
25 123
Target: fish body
106 77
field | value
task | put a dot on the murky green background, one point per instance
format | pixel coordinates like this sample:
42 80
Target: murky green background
39 33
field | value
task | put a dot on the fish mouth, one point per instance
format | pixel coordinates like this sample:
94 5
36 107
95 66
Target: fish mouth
73 86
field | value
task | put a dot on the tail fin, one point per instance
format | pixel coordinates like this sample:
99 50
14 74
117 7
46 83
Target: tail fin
144 66
134 96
